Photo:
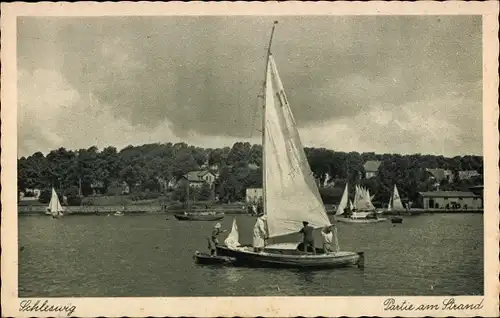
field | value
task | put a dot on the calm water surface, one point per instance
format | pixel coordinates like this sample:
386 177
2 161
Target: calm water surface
148 255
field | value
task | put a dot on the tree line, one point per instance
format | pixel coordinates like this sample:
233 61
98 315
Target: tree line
146 168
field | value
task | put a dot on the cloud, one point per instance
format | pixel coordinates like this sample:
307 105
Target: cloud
197 78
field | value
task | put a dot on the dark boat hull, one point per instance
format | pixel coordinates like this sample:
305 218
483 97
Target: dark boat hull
206 259
245 257
396 220
199 217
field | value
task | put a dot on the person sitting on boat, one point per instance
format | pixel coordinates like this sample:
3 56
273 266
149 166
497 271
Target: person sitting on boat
259 234
307 232
213 241
327 235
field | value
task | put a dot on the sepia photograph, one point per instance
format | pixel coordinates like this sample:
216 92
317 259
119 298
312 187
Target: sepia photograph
193 155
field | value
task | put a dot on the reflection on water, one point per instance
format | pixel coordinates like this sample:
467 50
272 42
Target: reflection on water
149 256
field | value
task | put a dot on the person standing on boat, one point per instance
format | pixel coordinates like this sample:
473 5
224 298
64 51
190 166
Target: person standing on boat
307 232
213 241
259 233
327 235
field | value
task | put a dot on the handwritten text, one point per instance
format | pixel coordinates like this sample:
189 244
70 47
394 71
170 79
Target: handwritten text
390 304
44 306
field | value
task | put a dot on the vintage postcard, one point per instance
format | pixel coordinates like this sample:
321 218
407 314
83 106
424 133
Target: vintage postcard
250 159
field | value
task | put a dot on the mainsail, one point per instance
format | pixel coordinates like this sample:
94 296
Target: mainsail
291 195
343 202
233 239
396 200
55 207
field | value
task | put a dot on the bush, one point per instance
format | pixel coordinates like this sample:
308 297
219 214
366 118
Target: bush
45 196
147 195
74 200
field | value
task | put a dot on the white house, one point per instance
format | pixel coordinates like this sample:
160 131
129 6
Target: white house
450 200
371 168
198 178
253 195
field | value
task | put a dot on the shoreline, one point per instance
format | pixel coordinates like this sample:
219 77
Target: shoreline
157 209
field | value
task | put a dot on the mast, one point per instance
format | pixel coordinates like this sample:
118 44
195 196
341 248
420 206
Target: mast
263 166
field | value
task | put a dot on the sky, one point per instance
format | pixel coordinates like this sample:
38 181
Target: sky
387 84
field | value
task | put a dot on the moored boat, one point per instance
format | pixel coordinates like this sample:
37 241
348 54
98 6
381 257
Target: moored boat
360 220
362 196
199 216
290 193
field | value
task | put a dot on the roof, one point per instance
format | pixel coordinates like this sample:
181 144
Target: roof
467 174
253 166
196 176
439 174
372 165
448 194
477 187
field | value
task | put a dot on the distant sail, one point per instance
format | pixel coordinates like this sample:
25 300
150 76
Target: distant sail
343 202
291 194
362 200
396 200
233 239
390 204
55 208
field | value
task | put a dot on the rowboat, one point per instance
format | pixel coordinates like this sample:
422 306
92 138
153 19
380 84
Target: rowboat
207 259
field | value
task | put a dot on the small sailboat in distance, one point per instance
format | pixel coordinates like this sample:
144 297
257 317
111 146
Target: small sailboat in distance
290 192
55 208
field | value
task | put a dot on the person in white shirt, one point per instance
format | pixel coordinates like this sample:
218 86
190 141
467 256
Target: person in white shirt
259 234
327 235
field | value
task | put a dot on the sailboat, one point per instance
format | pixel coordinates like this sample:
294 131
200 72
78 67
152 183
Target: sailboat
290 192
55 208
361 195
396 206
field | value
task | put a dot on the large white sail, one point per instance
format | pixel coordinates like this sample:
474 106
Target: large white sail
55 206
291 193
343 202
396 200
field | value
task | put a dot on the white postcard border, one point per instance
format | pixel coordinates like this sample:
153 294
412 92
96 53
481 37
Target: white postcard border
247 306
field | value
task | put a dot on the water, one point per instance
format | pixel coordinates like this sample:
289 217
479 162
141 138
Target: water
147 255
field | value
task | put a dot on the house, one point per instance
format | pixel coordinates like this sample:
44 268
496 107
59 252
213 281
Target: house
198 178
440 174
98 187
468 174
371 168
29 195
117 188
254 195
478 189
450 200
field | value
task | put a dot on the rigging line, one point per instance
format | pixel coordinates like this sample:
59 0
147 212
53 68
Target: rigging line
254 117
